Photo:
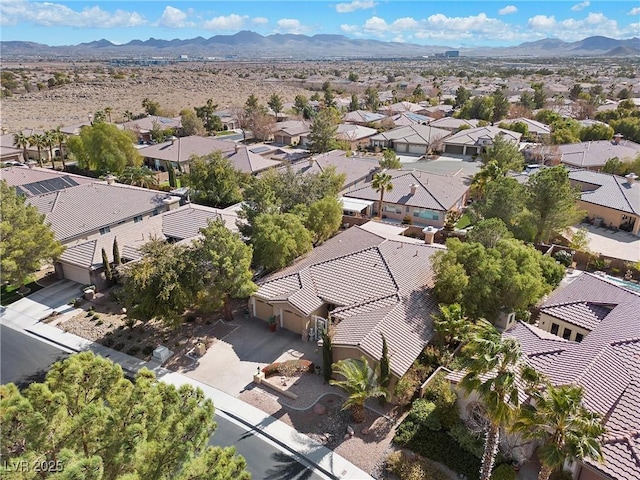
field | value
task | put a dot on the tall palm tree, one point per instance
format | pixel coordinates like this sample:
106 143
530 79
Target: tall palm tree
360 382
493 367
61 138
139 176
382 183
567 429
452 324
50 140
108 111
39 141
21 140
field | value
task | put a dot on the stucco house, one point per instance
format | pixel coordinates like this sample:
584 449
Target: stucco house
423 197
291 132
453 124
142 127
594 155
472 141
354 135
609 200
360 285
412 139
362 117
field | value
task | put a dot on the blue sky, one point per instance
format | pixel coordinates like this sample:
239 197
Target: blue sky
451 23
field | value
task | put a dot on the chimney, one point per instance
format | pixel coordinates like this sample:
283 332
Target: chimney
413 188
429 234
631 179
616 138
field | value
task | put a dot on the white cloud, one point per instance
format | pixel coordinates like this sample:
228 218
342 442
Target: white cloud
260 21
228 22
376 25
634 11
541 22
507 10
355 5
406 23
580 6
55 14
291 25
173 18
351 29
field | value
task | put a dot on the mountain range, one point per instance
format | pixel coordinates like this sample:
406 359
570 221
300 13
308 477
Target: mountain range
251 45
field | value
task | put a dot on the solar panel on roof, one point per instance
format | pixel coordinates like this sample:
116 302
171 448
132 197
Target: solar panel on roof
50 185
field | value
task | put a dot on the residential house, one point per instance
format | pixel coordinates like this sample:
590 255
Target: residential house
472 141
246 161
424 198
228 119
178 151
33 181
400 107
291 132
609 200
537 130
454 124
410 118
357 170
142 127
10 153
82 259
362 285
436 111
412 139
354 135
362 117
594 155
603 317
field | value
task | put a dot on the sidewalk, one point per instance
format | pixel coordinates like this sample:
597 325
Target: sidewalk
288 438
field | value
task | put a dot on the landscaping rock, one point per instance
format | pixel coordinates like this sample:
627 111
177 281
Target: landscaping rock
319 409
350 431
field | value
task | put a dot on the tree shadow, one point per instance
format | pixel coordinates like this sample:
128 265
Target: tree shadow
287 468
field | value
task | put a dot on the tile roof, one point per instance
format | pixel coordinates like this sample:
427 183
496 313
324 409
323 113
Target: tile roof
362 116
606 364
435 192
596 153
181 149
409 118
379 285
533 126
246 161
18 176
353 133
451 123
582 314
85 209
415 134
186 221
147 123
354 168
291 127
610 191
474 136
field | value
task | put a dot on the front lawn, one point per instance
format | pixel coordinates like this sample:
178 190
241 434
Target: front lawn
464 221
9 293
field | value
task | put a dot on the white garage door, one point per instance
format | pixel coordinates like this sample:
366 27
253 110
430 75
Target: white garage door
76 274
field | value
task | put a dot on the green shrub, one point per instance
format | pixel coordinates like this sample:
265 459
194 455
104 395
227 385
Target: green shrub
99 322
118 346
503 472
108 342
414 468
561 475
563 257
466 439
424 414
439 392
133 350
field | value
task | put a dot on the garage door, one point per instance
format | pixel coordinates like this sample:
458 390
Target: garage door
76 274
263 310
454 149
417 149
472 150
292 321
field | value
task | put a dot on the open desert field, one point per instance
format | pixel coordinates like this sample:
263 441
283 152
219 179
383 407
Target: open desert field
87 87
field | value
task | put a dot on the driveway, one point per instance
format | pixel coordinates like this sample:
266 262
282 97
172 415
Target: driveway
620 244
244 346
29 310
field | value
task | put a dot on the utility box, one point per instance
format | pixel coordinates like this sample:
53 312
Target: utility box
162 353
200 349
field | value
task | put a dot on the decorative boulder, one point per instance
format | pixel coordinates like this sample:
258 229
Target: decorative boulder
350 431
319 409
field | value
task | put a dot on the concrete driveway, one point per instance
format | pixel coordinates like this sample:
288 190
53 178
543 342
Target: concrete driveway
243 346
29 310
620 244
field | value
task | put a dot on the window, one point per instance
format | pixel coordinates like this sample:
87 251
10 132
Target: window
392 209
155 212
104 230
554 328
511 318
566 334
426 214
579 337
137 219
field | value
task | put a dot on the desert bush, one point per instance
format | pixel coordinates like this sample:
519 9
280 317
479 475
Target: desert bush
108 342
133 350
288 368
148 350
414 468
503 472
563 257
99 322
118 346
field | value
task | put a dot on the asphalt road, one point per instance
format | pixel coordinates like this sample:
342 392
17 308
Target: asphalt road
25 359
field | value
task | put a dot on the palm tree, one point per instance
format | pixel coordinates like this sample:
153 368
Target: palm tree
139 176
21 140
128 115
452 324
360 382
567 429
39 141
50 140
493 366
382 183
108 111
61 138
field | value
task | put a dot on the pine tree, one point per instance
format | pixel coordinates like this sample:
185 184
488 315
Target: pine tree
107 266
327 355
385 372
